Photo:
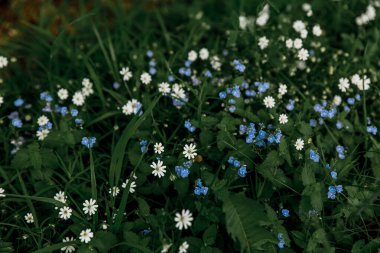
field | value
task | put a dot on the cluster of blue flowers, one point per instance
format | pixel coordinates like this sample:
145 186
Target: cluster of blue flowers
262 87
290 105
183 171
143 146
189 126
333 189
200 189
88 141
152 63
235 93
242 171
186 70
281 243
314 156
323 112
340 150
372 130
259 139
239 66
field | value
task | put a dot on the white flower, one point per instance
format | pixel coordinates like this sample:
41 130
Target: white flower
114 191
131 187
166 247
65 212
215 63
355 79
303 34
1 100
87 83
303 54
164 88
87 91
60 196
263 16
178 92
158 169
131 107
42 134
183 247
269 102
203 54
289 43
3 62
126 73
29 218
43 120
317 31
183 219
298 26
158 148
283 119
283 89
190 151
68 248
78 98
337 100
297 43
86 235
2 195
192 56
263 42
299 144
90 207
145 78
243 22
343 84
63 94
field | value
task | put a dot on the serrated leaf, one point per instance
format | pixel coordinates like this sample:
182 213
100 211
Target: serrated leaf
143 207
243 219
209 236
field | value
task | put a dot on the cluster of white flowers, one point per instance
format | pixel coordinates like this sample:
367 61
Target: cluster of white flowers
43 131
367 16
215 63
79 97
360 83
306 7
132 107
300 27
1 100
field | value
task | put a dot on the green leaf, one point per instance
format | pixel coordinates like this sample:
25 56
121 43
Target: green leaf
103 241
209 236
143 207
243 219
284 151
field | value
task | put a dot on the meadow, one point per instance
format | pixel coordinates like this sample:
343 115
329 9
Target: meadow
191 126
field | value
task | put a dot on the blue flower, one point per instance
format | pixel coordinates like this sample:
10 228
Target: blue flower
281 243
200 189
116 85
236 163
189 126
313 123
339 149
182 172
372 130
242 171
314 156
88 141
19 102
285 213
222 95
351 101
149 53
74 112
334 175
231 160
78 121
339 125
17 122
